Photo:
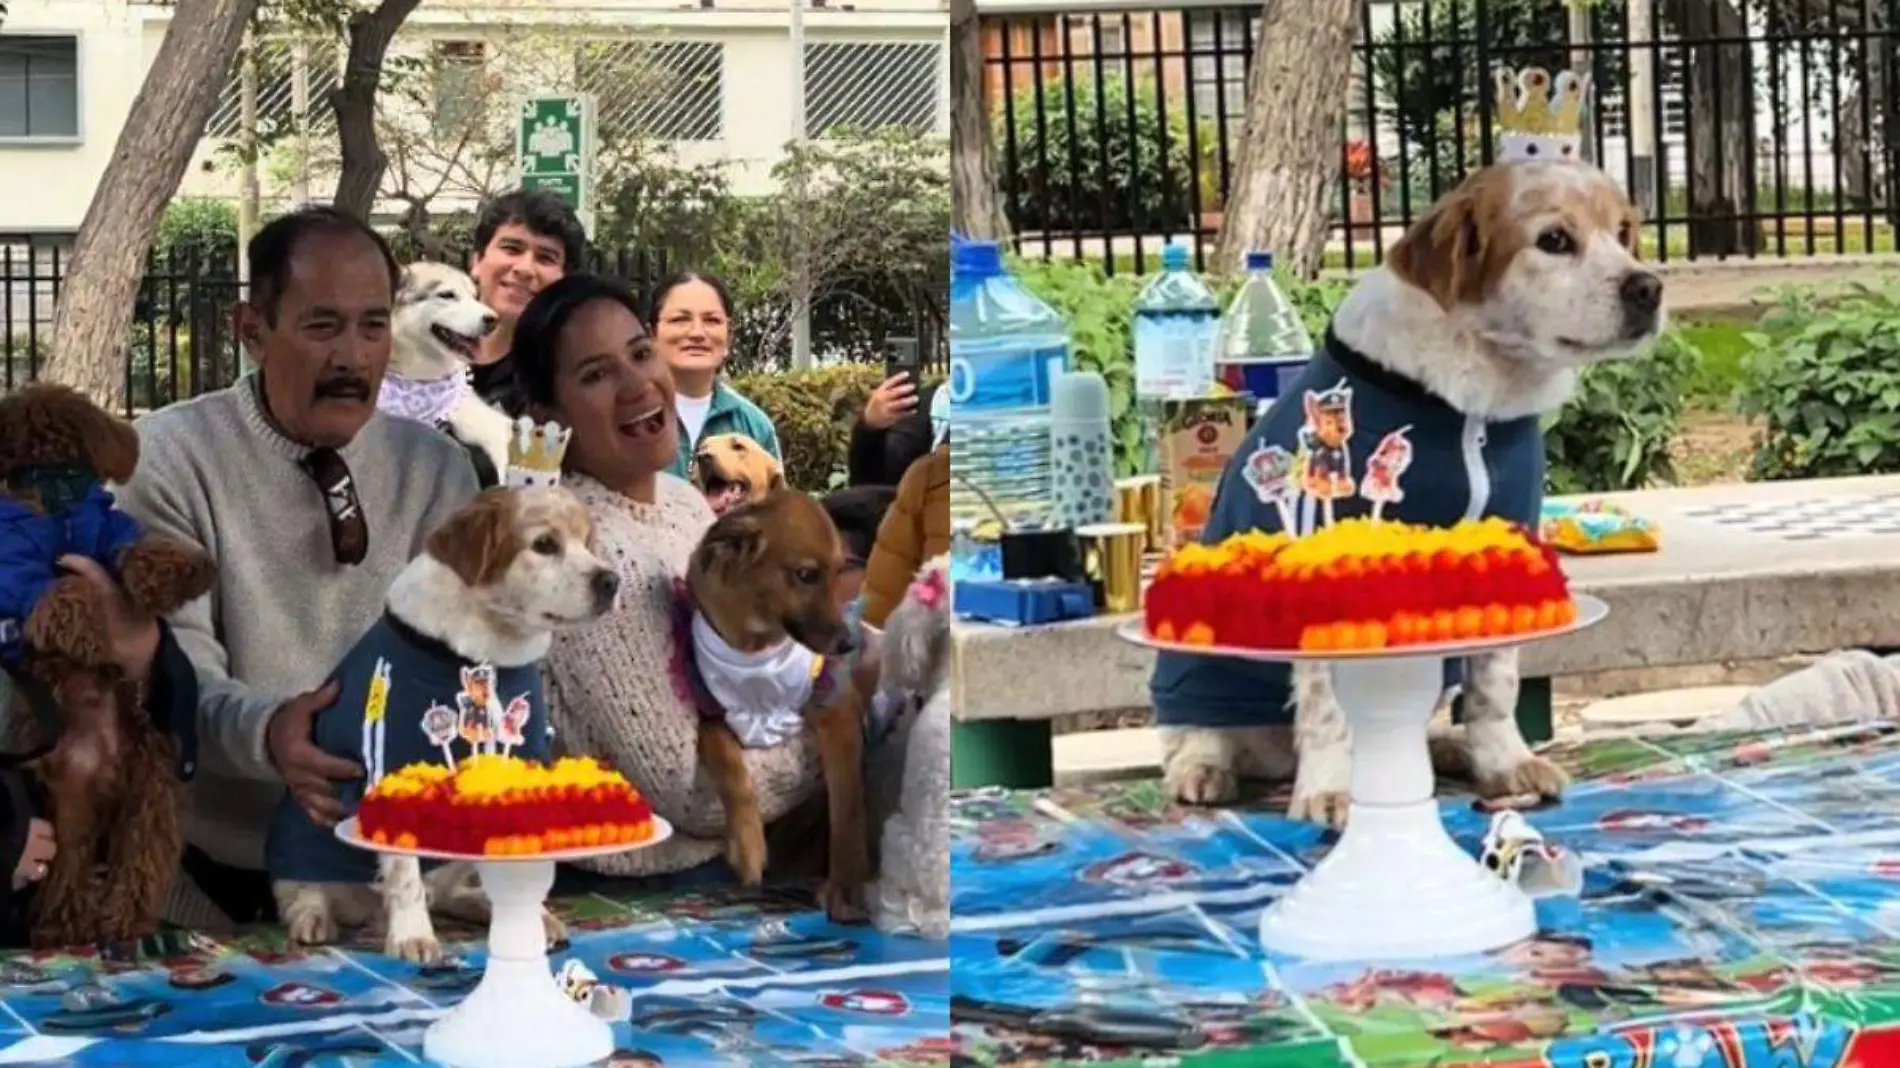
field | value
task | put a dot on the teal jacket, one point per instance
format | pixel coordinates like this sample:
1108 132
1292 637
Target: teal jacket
730 414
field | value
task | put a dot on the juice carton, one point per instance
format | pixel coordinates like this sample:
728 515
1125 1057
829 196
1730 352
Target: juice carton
1199 436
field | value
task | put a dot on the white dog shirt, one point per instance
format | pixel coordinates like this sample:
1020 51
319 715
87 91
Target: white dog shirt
764 693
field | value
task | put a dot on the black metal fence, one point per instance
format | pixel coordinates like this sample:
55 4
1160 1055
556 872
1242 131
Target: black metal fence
1740 127
183 342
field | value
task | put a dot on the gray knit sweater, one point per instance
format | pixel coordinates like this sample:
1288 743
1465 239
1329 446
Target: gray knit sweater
214 472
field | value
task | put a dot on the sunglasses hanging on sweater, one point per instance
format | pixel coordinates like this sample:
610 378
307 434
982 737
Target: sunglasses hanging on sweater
349 531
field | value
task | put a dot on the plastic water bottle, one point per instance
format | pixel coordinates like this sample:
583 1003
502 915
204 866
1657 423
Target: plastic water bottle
1006 349
1177 324
1263 342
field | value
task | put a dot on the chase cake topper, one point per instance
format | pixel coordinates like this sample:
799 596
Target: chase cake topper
535 452
1539 117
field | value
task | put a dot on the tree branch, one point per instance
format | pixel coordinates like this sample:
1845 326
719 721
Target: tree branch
354 103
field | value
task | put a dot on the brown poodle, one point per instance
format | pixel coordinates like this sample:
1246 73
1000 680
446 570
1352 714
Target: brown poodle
109 777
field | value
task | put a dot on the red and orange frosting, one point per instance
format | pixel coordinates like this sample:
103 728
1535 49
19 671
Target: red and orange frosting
492 805
1360 584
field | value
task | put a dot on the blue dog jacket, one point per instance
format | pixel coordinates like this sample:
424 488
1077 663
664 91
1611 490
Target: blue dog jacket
1461 468
31 545
427 687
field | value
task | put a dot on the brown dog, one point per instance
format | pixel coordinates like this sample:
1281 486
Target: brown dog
109 776
762 581
732 469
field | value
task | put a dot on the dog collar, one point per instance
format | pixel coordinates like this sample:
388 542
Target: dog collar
1358 365
56 487
425 402
434 648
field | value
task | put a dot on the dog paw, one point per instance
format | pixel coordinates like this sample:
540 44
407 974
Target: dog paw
1321 788
745 852
845 902
1328 808
1531 776
1203 784
553 928
417 949
312 927
162 576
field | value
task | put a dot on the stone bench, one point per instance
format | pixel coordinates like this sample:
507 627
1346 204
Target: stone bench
1746 572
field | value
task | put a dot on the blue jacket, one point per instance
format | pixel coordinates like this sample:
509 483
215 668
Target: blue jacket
729 413
1462 468
31 545
422 672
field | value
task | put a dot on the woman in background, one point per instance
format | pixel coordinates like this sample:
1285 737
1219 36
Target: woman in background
692 332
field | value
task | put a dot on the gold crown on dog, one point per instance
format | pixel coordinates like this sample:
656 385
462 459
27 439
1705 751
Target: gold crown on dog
1540 117
535 451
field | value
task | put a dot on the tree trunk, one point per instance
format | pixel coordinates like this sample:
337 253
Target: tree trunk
976 203
354 102
1721 104
1289 163
94 318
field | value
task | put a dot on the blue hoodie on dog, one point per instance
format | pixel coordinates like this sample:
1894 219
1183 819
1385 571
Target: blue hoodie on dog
1461 468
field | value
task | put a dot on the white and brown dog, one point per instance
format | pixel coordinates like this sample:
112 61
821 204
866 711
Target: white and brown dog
1476 326
466 626
436 327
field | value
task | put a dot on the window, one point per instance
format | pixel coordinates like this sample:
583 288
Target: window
871 86
461 73
654 90
39 87
1220 42
277 74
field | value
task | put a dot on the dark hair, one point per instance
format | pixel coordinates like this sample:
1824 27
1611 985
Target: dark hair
273 247
675 281
543 213
533 355
857 512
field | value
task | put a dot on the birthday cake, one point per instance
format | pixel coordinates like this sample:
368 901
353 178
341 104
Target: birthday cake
1359 584
494 805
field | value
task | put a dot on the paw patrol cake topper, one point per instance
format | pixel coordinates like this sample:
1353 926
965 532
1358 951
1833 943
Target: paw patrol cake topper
1271 471
1539 117
376 722
442 724
535 452
1325 447
1384 468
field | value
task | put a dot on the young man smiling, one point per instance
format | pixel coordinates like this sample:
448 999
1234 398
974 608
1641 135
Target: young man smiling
524 242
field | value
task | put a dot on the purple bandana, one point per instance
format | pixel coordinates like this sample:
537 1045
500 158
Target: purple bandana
425 402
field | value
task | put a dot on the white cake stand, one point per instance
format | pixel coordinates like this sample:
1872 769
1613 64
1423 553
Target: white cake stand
1396 886
517 1016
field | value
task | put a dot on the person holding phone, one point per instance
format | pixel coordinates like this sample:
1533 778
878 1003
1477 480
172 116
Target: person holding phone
894 431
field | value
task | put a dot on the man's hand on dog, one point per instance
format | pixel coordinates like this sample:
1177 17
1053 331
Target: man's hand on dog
893 399
131 635
307 770
37 856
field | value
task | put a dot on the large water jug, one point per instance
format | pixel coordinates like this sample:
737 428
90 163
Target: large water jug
1006 349
1177 324
1263 342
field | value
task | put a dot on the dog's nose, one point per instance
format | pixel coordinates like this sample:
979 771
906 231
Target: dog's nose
605 585
489 321
1641 292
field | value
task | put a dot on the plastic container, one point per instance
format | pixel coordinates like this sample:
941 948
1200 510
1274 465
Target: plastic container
1263 342
1006 349
1177 322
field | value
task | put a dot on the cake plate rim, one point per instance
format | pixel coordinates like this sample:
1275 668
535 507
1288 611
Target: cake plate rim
347 832
1591 610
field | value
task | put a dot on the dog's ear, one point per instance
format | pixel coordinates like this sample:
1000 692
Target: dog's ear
478 542
1443 253
735 543
112 446
405 280
774 475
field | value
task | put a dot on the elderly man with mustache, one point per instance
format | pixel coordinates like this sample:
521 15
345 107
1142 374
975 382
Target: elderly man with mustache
310 502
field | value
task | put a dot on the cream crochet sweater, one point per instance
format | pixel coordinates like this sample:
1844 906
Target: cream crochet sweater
610 692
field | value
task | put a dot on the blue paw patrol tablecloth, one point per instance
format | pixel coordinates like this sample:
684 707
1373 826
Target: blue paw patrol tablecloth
1741 910
718 979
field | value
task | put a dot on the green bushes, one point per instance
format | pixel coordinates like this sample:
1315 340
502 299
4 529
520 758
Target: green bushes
1823 384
